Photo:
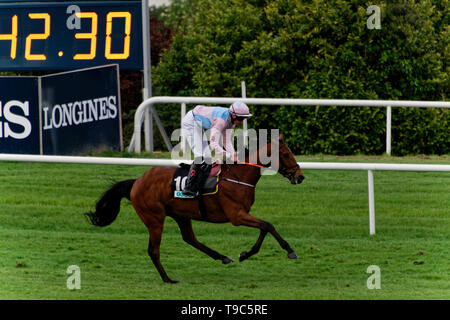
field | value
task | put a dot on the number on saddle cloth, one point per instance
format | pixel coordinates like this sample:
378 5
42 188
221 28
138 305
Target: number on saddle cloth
210 185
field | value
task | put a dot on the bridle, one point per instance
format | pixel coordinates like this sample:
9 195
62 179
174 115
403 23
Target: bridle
287 172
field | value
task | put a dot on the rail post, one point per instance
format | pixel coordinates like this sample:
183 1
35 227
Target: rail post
183 138
245 125
371 203
388 130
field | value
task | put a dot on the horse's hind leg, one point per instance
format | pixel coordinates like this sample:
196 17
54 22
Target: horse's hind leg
153 251
188 235
154 221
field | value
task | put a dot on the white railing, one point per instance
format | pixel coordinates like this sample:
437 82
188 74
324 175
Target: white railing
369 167
388 104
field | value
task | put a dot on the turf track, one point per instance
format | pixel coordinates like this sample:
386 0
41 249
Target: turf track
43 231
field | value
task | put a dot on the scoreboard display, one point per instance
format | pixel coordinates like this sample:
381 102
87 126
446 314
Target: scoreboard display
70 35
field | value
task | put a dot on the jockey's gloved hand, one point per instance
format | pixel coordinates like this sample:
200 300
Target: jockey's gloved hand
233 159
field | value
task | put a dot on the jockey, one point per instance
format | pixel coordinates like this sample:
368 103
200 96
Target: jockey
219 120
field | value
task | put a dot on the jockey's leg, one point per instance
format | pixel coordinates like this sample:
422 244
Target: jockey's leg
198 173
201 166
193 180
207 159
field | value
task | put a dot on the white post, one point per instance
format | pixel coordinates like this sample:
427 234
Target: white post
371 203
148 130
137 137
388 130
148 120
183 138
244 95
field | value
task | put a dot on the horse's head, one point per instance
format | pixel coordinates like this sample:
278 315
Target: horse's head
288 166
285 163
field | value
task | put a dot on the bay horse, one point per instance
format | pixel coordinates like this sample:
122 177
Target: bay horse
152 198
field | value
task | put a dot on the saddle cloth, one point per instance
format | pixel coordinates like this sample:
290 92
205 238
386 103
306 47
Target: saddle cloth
210 186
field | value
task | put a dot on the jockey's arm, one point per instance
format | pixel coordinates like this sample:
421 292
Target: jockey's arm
227 138
229 151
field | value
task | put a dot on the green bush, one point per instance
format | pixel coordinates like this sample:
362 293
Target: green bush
318 49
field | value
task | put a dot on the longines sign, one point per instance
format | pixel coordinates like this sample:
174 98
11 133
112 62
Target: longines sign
66 113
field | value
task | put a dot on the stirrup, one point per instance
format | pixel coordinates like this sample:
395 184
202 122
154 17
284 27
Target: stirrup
190 193
191 189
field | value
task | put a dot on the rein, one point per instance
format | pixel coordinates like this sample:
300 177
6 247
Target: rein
251 164
240 182
284 171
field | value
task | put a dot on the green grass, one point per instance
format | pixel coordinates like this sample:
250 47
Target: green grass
325 220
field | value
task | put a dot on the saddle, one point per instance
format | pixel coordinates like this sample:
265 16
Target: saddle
209 187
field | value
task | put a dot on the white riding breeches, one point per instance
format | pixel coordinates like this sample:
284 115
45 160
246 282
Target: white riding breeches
195 136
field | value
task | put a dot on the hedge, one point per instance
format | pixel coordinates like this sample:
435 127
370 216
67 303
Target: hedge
318 49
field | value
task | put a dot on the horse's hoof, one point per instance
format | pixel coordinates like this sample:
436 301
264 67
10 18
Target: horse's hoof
170 281
227 260
292 255
243 256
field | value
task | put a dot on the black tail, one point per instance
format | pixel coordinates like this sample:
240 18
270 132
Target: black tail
108 206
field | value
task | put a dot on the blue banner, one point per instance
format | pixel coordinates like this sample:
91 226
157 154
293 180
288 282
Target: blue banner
19 115
81 111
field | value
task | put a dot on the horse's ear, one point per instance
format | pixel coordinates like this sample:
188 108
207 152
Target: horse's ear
281 137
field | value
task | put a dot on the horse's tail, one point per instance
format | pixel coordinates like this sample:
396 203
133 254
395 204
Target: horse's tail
108 206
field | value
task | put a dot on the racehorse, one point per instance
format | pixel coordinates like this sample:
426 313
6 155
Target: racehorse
152 198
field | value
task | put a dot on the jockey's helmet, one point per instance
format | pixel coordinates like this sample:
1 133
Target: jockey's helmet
240 109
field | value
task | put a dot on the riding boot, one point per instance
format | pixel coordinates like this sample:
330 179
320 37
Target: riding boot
204 173
206 169
193 180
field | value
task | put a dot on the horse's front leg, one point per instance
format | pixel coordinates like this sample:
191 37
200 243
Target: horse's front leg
244 218
255 249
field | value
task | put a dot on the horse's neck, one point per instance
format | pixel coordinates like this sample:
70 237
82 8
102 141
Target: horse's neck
255 157
249 173
253 172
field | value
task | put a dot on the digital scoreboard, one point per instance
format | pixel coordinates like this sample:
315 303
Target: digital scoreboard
70 35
